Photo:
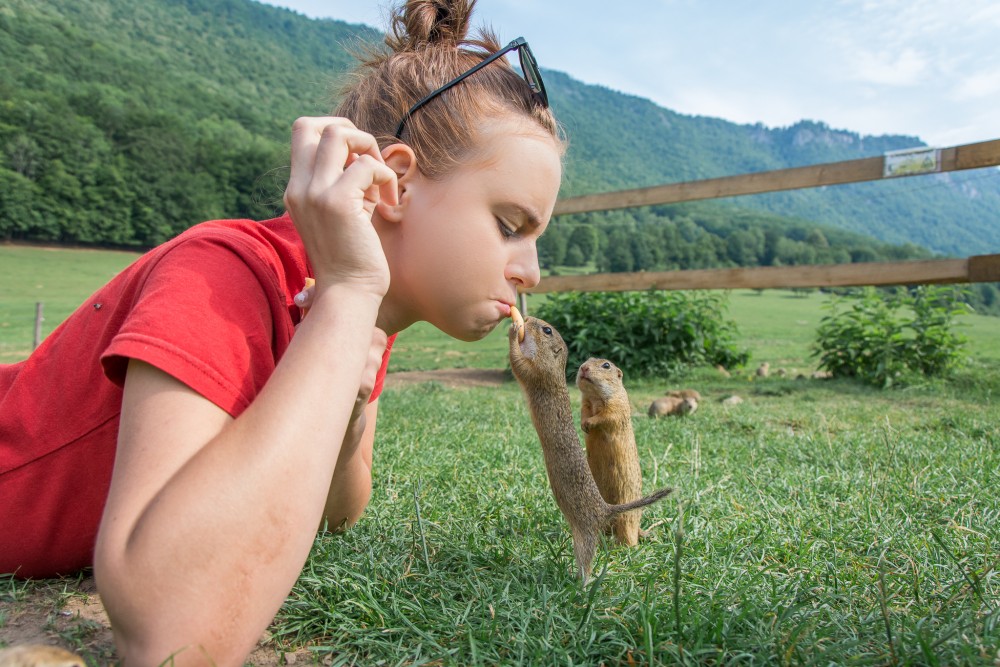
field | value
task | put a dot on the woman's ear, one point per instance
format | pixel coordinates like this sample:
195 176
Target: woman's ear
401 159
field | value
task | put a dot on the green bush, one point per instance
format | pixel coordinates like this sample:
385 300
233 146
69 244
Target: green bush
884 338
645 333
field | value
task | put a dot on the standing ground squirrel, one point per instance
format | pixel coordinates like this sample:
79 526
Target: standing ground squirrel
606 419
539 364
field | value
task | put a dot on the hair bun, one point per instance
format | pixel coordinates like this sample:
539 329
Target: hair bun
423 23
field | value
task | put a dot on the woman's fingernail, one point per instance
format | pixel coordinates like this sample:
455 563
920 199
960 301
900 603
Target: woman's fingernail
300 298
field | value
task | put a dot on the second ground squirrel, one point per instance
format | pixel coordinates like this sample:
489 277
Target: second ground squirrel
606 420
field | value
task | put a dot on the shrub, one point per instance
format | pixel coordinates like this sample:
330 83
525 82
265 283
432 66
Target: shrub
645 333
886 338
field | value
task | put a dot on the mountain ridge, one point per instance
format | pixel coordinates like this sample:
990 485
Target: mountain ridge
160 114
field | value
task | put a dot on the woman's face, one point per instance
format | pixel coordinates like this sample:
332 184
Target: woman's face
466 242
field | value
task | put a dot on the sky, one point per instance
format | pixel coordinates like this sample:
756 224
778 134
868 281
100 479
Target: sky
924 68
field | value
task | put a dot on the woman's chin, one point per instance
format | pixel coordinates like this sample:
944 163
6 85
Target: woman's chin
471 334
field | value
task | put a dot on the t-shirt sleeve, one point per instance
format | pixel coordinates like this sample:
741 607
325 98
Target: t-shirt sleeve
206 317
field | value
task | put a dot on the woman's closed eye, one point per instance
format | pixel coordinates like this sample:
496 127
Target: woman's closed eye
506 230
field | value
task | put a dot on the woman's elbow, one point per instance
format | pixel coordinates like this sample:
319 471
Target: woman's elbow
347 502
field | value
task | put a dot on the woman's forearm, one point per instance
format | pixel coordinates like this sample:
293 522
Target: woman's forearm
200 557
351 487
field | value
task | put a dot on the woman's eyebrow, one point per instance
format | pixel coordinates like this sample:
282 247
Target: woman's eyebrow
526 213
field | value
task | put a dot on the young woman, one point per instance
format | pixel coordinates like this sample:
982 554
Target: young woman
187 429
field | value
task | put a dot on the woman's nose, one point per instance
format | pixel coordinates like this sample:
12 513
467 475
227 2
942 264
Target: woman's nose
523 268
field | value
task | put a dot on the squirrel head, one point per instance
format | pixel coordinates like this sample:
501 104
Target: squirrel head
541 357
599 377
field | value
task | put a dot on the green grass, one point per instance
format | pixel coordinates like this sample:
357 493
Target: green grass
60 278
820 522
776 325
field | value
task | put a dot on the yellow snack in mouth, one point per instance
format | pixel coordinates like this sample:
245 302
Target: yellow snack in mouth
515 315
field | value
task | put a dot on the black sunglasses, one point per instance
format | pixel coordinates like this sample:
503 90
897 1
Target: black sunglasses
529 69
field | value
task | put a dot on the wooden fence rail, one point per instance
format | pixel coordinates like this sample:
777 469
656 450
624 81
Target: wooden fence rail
981 268
977 269
956 158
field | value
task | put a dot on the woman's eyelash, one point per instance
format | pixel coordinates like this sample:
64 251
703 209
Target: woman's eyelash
505 231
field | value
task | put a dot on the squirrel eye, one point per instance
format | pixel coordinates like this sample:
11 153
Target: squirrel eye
606 365
547 331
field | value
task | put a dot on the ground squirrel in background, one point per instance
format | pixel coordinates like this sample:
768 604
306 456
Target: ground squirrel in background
39 655
538 362
606 419
685 393
672 406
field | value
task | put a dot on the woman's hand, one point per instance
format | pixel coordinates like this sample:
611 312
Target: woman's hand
375 352
337 177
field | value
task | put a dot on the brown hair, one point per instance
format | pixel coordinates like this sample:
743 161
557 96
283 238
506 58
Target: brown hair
427 47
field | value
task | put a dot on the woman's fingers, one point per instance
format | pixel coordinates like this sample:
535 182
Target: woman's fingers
321 149
374 178
324 152
306 134
338 176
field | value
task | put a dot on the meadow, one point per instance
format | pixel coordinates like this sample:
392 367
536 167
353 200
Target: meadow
819 522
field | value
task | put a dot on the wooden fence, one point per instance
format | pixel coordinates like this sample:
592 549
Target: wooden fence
978 269
981 268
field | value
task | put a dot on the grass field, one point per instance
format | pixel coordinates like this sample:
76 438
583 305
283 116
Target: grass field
819 522
59 278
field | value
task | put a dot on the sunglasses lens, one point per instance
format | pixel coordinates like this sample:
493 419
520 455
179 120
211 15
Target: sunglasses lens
530 70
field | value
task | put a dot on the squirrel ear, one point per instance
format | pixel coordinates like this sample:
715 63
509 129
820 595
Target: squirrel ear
621 374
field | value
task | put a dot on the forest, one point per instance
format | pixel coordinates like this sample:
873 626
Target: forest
123 123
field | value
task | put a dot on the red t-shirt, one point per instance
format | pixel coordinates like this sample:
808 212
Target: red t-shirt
213 308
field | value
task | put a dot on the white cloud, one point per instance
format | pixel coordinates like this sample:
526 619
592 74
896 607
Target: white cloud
890 68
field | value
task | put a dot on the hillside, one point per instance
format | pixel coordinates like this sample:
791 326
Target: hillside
953 213
125 121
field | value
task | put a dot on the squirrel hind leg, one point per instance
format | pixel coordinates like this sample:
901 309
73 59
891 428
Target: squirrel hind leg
584 548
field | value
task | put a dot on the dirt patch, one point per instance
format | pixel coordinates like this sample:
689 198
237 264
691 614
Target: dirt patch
69 614
456 378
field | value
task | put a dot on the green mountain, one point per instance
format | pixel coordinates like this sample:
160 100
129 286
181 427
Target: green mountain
125 121
620 141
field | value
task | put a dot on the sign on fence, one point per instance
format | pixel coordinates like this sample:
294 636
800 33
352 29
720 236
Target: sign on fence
912 161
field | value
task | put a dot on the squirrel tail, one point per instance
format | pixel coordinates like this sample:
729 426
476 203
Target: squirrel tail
614 510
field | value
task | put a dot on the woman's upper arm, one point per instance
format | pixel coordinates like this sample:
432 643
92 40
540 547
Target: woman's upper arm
164 423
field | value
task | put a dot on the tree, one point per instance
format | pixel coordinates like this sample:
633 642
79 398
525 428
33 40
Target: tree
574 257
584 238
617 256
552 246
816 238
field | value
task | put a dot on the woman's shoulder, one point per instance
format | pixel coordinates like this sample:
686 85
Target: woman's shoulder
271 248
